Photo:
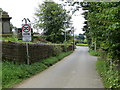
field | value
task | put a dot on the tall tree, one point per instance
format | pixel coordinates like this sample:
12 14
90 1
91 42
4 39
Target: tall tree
103 26
53 19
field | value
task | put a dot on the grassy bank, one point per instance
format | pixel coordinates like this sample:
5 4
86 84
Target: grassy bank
15 73
93 53
14 39
110 75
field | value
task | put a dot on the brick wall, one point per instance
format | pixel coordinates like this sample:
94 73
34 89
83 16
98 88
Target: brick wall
14 51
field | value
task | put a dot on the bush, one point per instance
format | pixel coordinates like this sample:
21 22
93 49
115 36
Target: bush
56 50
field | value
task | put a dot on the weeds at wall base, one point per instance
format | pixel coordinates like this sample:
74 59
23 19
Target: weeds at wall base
13 73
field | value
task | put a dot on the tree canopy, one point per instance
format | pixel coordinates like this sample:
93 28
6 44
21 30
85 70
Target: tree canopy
103 26
103 34
53 19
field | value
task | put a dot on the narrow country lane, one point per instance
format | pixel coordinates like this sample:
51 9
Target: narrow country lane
77 70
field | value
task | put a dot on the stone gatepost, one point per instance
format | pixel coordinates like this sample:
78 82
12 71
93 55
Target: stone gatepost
4 23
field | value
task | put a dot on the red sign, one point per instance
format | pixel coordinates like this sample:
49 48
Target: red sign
26 28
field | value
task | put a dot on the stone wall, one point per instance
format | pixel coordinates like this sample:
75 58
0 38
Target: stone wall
16 52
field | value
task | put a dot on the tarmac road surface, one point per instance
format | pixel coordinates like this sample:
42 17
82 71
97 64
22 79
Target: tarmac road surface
77 70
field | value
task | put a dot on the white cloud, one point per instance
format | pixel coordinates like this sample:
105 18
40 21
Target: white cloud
19 9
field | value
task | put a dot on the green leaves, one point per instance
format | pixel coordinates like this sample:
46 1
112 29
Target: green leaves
111 76
103 24
103 27
52 18
15 73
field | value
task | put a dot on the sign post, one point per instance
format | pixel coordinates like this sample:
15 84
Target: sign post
26 36
28 61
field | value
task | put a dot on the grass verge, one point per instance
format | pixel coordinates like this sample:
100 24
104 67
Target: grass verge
81 44
15 73
93 53
110 75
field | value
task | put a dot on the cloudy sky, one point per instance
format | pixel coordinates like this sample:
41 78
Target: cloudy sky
19 9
